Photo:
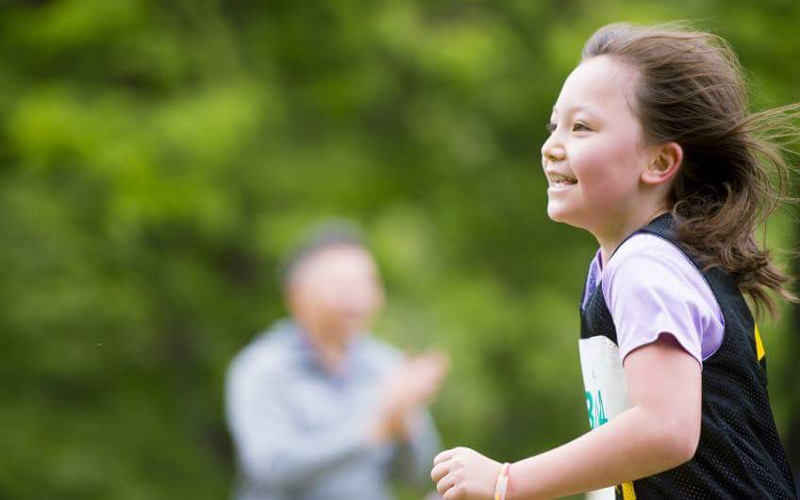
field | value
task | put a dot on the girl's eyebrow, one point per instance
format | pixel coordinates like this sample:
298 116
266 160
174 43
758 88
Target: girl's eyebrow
577 108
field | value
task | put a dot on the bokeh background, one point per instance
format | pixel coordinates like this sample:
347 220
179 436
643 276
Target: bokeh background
158 157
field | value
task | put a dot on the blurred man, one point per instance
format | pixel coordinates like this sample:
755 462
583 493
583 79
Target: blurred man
318 408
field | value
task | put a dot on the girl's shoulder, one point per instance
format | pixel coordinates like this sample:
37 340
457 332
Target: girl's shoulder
650 286
646 249
648 262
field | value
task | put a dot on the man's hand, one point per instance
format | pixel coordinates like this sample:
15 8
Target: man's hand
410 388
465 474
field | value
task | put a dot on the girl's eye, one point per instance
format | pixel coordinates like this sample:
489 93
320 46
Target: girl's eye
580 127
550 127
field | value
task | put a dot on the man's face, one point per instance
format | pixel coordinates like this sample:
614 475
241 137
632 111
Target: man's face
335 292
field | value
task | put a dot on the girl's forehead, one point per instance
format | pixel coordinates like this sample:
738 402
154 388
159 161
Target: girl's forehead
600 83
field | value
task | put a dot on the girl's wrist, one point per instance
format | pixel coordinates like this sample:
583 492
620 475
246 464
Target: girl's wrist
520 487
501 485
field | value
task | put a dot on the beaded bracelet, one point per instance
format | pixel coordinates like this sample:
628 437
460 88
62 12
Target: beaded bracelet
502 482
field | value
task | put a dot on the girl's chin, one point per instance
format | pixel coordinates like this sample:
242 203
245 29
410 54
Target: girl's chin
558 214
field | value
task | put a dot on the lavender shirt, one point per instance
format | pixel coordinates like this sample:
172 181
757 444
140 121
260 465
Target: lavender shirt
650 288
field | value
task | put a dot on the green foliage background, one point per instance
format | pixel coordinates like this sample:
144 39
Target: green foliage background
156 158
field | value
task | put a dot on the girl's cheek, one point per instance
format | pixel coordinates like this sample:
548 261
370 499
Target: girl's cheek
603 184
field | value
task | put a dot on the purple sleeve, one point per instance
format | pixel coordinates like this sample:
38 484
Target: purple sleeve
651 288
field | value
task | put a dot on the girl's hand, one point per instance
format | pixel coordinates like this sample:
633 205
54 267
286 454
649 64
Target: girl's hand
464 474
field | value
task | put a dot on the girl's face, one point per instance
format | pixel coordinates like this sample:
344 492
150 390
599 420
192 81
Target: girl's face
595 154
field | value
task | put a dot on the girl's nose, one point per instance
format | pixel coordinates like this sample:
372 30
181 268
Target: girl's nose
551 151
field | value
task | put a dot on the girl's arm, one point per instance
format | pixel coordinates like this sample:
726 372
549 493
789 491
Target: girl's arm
659 432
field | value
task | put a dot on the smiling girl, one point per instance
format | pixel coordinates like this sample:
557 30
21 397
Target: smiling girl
652 150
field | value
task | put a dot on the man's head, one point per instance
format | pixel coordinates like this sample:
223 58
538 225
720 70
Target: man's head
332 284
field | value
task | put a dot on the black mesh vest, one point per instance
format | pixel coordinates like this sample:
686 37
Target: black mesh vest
739 455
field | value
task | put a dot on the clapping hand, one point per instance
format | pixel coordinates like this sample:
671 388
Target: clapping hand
411 387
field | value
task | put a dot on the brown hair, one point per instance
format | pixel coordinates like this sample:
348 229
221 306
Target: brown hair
733 176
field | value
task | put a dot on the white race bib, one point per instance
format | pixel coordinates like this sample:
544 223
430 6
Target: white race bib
605 386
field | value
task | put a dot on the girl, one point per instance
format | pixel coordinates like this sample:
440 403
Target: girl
653 152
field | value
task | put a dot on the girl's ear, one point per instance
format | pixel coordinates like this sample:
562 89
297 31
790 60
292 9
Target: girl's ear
664 165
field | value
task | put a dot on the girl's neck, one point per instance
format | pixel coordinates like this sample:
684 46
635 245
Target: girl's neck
609 242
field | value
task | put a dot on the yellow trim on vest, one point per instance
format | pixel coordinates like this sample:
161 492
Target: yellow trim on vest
627 491
759 346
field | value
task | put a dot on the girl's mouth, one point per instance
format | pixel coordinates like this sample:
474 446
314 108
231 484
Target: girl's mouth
560 181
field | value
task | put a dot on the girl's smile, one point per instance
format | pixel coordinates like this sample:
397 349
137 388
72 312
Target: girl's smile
559 182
